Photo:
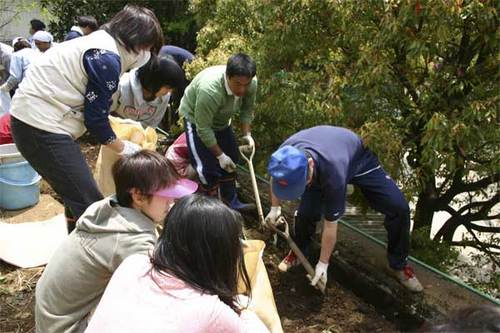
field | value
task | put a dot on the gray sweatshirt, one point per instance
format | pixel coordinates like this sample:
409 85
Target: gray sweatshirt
129 103
78 272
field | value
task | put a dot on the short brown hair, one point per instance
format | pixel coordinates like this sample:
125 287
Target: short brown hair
87 22
146 171
21 44
135 27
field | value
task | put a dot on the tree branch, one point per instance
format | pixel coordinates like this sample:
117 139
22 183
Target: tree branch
482 228
449 210
482 247
488 203
460 187
474 245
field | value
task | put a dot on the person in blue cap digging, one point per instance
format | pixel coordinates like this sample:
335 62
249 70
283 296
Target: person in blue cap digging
316 164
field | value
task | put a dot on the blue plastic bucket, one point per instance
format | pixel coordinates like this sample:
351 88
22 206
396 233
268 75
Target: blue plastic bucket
19 186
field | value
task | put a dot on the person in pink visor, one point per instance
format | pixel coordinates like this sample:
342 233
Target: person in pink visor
109 231
189 283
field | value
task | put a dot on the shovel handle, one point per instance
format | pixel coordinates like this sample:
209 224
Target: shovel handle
243 150
303 260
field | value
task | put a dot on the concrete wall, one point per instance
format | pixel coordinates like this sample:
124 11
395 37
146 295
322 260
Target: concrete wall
27 9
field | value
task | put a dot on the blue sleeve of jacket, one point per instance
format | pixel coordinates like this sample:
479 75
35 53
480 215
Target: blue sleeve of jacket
103 69
72 35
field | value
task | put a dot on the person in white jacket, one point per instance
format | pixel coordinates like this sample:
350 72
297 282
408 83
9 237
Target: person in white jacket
144 93
19 61
5 54
109 231
43 40
68 90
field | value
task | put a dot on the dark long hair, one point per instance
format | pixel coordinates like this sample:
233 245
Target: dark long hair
201 245
135 27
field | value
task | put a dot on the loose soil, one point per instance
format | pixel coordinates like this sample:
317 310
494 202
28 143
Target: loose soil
301 307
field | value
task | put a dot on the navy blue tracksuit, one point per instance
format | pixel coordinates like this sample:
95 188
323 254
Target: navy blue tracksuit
204 161
340 158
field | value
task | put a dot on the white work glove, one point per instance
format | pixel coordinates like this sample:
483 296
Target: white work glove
129 148
320 273
243 300
250 143
272 216
226 163
3 87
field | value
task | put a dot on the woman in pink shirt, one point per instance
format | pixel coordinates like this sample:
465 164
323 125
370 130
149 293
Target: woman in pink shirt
189 284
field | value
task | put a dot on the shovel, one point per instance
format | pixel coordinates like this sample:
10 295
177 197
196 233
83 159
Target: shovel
285 233
244 150
282 221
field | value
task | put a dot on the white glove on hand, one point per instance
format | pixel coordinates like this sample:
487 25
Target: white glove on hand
243 300
250 143
273 215
320 273
129 148
3 87
226 163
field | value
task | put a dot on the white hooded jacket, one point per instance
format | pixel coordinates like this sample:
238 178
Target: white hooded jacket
128 102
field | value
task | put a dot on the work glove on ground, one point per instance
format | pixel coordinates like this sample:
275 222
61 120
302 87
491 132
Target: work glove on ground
249 142
272 216
320 273
226 163
129 148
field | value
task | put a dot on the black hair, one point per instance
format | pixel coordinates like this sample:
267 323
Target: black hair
134 28
241 64
475 318
21 44
159 72
37 25
201 245
146 170
87 22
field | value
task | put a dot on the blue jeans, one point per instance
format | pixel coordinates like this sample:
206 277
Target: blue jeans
59 160
383 195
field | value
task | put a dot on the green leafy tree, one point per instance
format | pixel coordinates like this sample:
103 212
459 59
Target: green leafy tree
417 79
177 22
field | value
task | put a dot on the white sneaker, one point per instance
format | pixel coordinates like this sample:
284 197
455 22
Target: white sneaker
288 262
407 278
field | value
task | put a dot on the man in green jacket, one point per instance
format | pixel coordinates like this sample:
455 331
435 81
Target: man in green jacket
210 101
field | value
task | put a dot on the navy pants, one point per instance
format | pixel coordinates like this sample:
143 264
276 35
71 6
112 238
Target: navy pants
203 160
59 160
383 195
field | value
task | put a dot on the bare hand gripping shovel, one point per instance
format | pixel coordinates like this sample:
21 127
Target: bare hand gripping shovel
282 221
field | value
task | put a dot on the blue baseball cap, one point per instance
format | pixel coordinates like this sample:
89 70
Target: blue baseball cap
288 168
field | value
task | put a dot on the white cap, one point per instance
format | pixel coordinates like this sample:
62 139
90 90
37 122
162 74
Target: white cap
43 36
17 39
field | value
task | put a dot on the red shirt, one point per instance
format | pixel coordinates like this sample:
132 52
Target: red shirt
5 133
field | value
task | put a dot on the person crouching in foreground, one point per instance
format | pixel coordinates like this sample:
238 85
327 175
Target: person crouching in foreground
109 231
190 282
